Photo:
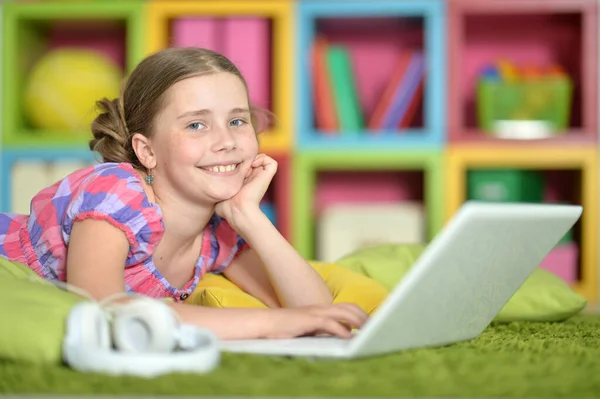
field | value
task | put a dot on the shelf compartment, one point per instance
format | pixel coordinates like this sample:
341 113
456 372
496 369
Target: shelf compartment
384 177
527 33
26 171
33 30
210 25
356 33
569 175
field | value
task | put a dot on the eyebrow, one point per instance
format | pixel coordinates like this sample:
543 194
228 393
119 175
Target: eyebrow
200 112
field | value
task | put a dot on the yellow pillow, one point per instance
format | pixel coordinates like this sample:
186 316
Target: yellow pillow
215 290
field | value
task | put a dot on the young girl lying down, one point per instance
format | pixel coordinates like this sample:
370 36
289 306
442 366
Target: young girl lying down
176 196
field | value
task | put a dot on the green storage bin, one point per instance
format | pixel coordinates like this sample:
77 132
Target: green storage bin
506 185
544 99
567 238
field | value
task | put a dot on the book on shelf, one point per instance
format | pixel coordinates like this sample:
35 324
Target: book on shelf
347 104
325 112
337 101
400 100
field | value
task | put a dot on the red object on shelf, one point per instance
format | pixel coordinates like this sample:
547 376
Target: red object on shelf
279 193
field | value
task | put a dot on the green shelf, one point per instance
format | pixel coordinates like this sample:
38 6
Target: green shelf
24 39
308 164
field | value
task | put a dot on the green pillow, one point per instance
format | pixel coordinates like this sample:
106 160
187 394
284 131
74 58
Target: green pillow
543 297
34 314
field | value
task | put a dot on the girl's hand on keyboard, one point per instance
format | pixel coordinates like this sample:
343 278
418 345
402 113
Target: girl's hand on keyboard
337 320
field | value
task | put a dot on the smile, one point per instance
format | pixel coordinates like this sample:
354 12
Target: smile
221 168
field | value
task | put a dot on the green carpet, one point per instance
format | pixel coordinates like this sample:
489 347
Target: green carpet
522 359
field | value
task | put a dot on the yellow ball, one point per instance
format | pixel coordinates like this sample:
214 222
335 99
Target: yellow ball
62 89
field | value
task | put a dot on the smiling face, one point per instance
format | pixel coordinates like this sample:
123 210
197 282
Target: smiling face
203 141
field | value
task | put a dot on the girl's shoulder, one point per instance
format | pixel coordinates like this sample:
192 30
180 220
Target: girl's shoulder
108 177
111 188
113 192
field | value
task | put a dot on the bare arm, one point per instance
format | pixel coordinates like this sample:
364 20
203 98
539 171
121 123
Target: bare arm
248 272
95 263
291 277
96 258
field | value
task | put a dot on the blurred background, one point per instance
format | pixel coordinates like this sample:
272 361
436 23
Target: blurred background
391 113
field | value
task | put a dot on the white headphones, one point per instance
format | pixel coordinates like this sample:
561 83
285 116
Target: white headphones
140 337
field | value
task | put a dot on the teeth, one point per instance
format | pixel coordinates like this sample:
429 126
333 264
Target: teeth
222 168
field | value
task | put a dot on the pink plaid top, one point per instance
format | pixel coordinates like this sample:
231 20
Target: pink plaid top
114 193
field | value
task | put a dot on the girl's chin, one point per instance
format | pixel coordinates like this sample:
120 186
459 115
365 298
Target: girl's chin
223 194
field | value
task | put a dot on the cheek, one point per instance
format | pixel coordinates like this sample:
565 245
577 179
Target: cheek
184 149
251 143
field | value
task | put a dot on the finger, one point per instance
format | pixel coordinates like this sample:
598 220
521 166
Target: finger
265 161
270 165
255 172
333 327
266 172
356 310
259 160
343 315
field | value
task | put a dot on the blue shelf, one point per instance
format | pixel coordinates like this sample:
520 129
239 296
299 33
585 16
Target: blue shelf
8 157
432 133
421 139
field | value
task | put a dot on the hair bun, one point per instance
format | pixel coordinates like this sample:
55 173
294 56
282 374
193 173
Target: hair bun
111 136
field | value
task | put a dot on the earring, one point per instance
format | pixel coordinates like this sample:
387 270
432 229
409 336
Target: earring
149 179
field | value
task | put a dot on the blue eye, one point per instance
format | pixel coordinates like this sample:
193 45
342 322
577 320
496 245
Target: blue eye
240 122
195 126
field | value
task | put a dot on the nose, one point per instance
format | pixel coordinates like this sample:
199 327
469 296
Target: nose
224 140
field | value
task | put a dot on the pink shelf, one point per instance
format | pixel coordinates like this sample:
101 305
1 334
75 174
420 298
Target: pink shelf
524 31
571 138
252 55
565 261
367 187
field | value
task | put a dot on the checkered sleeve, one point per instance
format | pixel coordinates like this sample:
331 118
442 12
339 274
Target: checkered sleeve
115 195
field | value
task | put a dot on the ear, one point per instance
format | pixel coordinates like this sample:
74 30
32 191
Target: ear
142 146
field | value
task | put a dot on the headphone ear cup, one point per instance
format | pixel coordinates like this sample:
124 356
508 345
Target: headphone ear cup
88 327
144 326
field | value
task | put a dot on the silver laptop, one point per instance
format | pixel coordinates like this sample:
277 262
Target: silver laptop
454 290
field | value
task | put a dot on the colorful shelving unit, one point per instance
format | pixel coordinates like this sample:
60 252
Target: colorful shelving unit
429 159
537 33
354 162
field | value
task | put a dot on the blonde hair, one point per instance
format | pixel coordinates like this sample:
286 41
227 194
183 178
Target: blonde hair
143 94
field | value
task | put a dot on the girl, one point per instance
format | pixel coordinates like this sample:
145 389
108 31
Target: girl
176 196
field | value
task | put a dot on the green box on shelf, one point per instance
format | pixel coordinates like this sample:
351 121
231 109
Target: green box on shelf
25 37
545 99
567 238
506 185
